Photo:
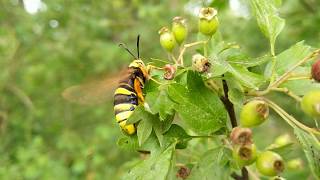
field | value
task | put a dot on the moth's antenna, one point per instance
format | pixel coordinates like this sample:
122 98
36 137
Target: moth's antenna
138 46
125 47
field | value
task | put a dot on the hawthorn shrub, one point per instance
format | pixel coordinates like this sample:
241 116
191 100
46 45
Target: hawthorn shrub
188 124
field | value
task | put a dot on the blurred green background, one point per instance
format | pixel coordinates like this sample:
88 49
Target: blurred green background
49 45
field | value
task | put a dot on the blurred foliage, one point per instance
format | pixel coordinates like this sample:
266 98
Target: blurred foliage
44 137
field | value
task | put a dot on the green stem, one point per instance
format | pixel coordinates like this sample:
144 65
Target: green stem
273 70
287 74
284 90
290 119
182 51
289 93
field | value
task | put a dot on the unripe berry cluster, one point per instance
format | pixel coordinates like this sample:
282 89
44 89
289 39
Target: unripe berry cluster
245 153
208 25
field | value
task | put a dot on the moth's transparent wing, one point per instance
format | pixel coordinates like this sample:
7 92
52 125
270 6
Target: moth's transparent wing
94 91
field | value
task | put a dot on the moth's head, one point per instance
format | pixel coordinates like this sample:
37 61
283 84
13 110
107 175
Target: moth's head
138 63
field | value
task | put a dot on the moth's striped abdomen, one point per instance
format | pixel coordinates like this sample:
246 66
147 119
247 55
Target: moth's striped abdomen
126 100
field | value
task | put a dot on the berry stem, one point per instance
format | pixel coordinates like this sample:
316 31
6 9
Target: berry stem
287 74
289 93
290 119
182 51
303 77
284 90
273 73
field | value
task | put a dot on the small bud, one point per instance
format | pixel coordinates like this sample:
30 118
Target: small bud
310 103
170 71
315 71
167 39
183 172
200 63
254 113
241 136
179 29
208 23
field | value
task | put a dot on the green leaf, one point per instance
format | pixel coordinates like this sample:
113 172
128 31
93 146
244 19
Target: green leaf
149 121
288 58
151 86
236 96
157 167
268 20
212 165
311 148
181 76
200 108
131 143
128 143
138 114
247 61
144 130
160 127
218 68
235 56
177 131
247 78
160 103
301 87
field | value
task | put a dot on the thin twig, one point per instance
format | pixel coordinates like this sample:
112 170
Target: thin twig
230 109
228 104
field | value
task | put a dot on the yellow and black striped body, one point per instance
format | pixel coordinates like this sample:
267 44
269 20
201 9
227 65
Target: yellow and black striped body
127 96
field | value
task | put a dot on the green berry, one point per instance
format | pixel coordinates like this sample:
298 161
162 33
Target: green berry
208 23
245 155
167 39
269 163
179 29
295 164
283 140
310 103
254 113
